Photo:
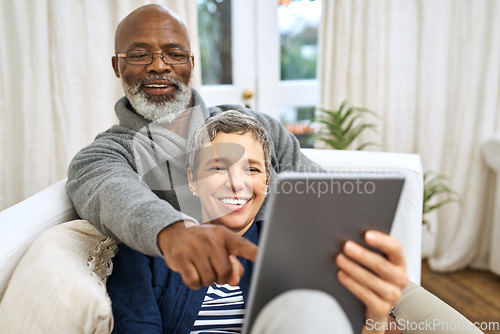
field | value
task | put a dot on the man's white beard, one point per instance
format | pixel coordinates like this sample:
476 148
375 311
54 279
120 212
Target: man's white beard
155 107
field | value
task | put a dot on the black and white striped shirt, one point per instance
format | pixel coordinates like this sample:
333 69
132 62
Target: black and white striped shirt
222 311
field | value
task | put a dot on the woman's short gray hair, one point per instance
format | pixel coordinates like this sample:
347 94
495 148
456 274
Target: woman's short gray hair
230 121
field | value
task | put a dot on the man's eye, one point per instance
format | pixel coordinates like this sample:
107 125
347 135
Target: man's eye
176 55
138 55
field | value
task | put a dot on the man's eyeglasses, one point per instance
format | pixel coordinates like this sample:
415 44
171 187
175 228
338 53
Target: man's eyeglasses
145 57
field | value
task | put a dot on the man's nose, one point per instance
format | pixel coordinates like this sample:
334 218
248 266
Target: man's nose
158 65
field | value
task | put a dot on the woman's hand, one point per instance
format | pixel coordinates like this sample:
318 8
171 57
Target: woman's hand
376 280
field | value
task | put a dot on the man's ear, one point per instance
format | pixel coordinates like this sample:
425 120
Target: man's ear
114 63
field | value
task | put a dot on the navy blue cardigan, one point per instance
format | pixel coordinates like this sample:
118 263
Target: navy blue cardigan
148 297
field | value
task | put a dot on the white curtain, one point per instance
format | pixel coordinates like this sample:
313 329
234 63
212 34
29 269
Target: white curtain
57 86
431 70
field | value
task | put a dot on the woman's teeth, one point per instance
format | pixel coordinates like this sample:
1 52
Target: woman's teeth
234 201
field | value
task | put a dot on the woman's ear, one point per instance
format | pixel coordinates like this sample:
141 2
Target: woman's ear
192 183
267 184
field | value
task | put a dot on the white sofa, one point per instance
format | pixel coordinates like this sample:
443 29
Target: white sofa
21 224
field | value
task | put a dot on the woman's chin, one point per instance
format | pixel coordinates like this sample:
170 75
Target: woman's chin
239 227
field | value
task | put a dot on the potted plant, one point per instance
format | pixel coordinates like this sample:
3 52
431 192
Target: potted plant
339 128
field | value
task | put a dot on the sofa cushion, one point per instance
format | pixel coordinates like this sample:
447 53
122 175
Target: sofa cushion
59 285
22 223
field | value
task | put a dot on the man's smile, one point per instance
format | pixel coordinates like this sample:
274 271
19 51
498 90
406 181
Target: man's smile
159 87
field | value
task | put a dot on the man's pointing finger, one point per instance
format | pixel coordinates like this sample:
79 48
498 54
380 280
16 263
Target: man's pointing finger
240 246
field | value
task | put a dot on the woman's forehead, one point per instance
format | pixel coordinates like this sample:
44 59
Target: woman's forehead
232 147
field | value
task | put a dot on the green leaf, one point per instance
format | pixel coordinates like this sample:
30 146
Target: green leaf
351 123
362 146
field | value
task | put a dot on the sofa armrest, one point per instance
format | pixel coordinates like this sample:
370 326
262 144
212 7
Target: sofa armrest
23 222
407 226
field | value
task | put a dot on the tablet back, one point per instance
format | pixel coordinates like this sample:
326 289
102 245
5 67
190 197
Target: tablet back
307 220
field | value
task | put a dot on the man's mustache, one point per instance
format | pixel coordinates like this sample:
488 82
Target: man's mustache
149 79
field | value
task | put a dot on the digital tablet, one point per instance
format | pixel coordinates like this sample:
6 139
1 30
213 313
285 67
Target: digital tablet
308 219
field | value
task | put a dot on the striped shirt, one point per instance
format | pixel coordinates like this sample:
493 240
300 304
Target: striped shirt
222 311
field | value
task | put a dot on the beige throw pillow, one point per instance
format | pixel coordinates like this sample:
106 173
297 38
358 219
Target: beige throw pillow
59 286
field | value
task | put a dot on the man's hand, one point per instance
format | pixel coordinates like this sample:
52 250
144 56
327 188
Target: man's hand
204 254
376 280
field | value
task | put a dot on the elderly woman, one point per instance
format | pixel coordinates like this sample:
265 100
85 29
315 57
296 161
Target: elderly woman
229 172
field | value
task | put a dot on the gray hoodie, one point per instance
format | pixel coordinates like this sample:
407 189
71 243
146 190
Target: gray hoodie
131 182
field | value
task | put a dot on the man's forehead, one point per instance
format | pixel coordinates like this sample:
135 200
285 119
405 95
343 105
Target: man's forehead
149 21
149 12
145 29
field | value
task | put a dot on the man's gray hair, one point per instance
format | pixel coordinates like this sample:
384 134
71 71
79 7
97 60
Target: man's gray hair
230 121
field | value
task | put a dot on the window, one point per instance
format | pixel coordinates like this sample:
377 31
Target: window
214 26
263 54
298 23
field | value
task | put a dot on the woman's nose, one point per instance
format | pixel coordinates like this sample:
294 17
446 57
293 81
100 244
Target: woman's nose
236 179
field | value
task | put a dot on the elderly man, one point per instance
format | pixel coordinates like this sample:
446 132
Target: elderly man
131 181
